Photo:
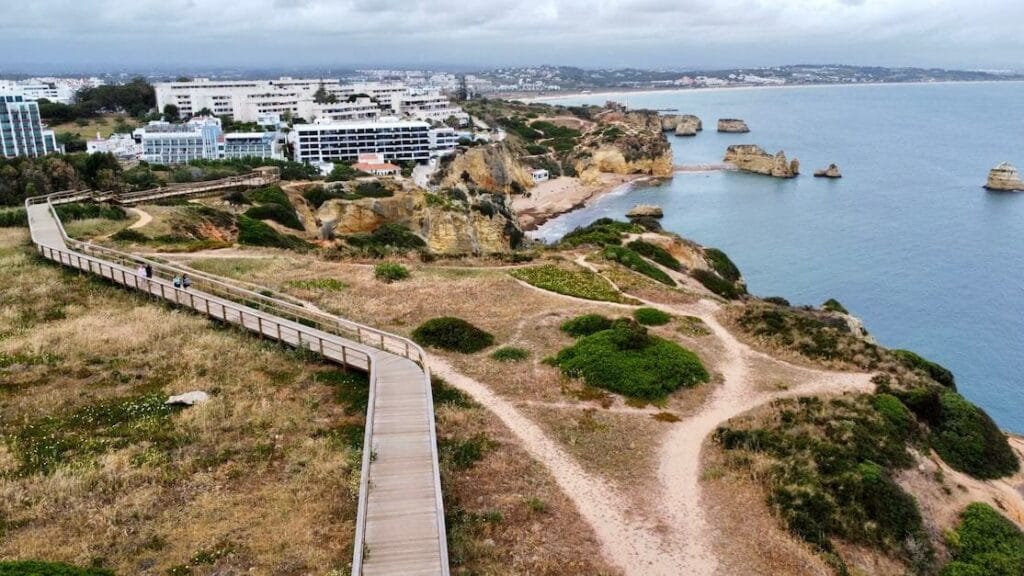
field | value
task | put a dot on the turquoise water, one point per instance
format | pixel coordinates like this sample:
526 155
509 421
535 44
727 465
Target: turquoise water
908 239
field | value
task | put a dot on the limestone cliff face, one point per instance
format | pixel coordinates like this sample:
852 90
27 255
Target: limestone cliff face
1004 177
751 158
483 225
681 124
611 160
733 126
493 168
624 142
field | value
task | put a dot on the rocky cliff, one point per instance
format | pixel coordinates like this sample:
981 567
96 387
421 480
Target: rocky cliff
733 126
464 225
492 168
681 124
624 143
831 172
751 158
1004 177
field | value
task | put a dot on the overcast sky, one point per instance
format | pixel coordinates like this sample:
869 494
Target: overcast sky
100 34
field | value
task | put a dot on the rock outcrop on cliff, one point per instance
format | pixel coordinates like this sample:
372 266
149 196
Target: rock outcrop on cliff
681 124
732 126
831 172
1005 177
623 142
492 168
451 222
751 158
645 211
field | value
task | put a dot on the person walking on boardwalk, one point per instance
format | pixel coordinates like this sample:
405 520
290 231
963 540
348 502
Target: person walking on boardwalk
142 275
185 281
177 281
149 271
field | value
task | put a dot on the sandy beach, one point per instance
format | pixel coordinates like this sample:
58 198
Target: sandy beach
564 194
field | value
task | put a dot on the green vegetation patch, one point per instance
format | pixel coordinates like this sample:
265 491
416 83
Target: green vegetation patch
269 195
985 544
722 264
510 354
329 284
833 305
15 218
84 210
389 272
656 253
444 394
577 282
828 467
351 388
36 568
636 263
454 334
651 317
815 336
285 216
970 441
387 238
43 444
627 360
586 325
717 285
254 232
937 372
601 232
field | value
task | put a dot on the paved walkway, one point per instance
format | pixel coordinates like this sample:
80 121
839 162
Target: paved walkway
400 528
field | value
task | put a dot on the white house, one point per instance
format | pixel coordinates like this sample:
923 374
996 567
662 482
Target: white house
540 175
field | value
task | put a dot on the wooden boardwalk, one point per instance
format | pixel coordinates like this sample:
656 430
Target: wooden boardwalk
400 523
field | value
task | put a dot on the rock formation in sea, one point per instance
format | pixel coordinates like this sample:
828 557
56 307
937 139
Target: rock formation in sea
672 123
1005 178
645 211
751 158
732 126
686 129
831 172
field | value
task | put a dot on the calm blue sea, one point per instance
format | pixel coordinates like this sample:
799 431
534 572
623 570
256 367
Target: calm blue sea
908 239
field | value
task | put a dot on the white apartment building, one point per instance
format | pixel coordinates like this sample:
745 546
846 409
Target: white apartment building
22 132
123 146
61 90
399 141
353 109
428 106
202 138
443 141
252 145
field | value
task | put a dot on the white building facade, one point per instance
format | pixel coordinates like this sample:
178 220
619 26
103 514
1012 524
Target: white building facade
343 142
202 138
22 132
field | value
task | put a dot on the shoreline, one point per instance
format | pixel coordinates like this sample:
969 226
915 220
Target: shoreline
677 89
563 195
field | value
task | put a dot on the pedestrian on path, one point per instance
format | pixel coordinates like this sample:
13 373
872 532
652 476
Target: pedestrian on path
177 281
142 274
149 271
185 281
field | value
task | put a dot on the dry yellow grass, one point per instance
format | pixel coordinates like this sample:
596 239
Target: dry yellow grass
104 125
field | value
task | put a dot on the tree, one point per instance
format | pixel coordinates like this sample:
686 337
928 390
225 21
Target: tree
171 113
322 96
182 79
204 112
71 142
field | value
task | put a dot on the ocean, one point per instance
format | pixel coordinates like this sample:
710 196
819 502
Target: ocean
908 240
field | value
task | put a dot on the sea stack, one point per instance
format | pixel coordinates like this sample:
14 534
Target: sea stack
751 158
732 126
645 211
682 124
831 172
1004 178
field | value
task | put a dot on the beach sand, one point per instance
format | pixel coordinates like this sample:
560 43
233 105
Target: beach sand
560 195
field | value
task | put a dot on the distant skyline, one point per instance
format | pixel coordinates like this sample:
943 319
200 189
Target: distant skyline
94 35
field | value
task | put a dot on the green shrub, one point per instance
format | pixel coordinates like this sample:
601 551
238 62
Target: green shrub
130 235
969 441
777 300
586 325
343 173
656 253
627 360
236 197
579 282
393 236
636 263
373 189
601 232
444 394
652 317
269 195
893 410
318 195
82 211
833 305
285 216
985 544
14 218
453 334
510 354
717 285
389 272
721 263
937 372
36 568
257 233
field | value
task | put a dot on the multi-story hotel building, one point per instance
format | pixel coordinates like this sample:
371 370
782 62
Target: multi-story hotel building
22 132
202 139
399 141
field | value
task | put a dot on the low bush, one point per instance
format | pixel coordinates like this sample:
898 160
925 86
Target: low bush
693 326
833 305
578 282
936 372
716 284
285 216
130 235
586 325
82 211
721 263
651 317
237 198
777 300
36 568
454 334
969 441
389 272
601 232
636 263
14 218
656 253
317 195
627 360
257 233
269 195
394 236
828 466
510 354
372 189
985 544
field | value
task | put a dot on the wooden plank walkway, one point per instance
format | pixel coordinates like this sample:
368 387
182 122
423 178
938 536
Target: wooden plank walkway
400 524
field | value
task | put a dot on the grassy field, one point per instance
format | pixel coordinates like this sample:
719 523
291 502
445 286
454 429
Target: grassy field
105 125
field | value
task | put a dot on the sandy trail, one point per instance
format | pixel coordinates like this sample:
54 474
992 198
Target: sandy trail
144 218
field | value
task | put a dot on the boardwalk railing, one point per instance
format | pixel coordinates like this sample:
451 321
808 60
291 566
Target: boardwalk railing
340 340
